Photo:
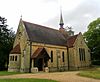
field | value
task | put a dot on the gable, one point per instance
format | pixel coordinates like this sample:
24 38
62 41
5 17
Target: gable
80 42
21 35
45 35
71 40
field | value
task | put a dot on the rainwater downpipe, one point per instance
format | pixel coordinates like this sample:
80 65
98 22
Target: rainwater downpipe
30 56
68 58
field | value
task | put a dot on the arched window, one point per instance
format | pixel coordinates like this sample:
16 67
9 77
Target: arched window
51 56
63 57
82 54
15 58
12 58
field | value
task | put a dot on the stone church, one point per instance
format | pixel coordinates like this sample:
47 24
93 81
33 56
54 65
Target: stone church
40 48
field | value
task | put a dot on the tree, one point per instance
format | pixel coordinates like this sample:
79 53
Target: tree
92 37
6 42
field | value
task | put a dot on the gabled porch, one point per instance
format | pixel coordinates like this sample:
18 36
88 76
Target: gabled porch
40 60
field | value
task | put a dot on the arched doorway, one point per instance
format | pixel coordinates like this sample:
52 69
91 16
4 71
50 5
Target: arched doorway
41 58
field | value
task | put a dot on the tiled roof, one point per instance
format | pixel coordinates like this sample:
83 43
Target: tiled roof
37 52
16 50
42 34
71 40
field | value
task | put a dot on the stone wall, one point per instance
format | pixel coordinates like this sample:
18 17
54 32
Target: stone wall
57 56
14 65
80 43
22 39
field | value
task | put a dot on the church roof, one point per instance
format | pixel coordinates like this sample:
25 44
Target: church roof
42 34
16 50
71 40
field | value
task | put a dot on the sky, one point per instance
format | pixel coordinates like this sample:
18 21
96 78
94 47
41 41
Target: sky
76 13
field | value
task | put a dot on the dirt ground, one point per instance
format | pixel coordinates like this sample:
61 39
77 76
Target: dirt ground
59 76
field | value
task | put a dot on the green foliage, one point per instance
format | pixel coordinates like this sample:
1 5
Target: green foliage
26 80
6 41
92 37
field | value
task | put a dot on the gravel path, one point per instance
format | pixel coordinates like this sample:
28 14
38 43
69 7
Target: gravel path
59 76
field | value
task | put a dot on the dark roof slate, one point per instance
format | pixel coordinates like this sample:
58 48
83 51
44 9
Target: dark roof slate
42 34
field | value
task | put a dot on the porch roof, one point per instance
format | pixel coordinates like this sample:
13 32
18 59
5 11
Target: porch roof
16 50
37 52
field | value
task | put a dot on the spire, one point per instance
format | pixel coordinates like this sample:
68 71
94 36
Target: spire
21 17
61 20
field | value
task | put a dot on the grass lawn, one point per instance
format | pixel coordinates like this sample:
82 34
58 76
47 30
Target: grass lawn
90 73
2 73
26 80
